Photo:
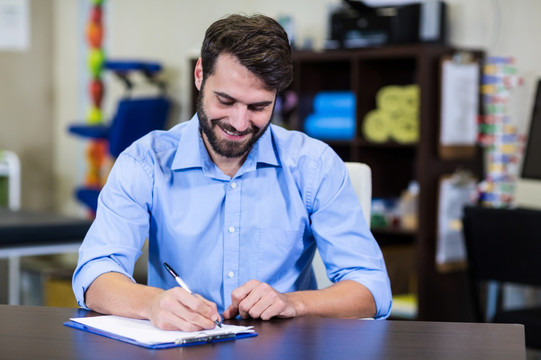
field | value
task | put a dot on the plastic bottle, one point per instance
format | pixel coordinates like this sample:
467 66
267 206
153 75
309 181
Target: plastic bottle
409 206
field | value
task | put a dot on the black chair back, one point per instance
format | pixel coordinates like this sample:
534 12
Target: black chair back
504 245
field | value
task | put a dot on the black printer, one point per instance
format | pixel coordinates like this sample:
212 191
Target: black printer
356 24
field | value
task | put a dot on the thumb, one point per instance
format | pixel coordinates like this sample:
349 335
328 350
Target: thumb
230 312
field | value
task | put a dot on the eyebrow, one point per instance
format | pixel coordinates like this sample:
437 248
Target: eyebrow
260 103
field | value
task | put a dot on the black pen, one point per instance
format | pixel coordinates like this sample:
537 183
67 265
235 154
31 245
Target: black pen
183 284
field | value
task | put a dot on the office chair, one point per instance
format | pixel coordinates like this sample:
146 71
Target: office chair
10 167
503 246
361 178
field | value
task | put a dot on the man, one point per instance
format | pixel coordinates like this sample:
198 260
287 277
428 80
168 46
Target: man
235 205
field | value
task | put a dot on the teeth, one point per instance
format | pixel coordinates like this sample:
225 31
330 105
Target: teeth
231 133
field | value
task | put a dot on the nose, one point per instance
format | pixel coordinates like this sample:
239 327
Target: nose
240 118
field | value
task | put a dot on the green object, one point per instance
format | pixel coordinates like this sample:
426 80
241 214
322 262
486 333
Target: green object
96 58
3 191
378 221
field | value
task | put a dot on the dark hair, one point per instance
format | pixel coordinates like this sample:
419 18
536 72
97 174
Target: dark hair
258 42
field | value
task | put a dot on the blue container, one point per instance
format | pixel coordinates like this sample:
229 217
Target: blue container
333 117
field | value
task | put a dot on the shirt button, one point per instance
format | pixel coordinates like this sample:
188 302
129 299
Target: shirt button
230 274
233 185
231 229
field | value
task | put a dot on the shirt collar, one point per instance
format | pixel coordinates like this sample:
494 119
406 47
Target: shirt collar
191 151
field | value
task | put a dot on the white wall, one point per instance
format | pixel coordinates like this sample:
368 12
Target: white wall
26 93
504 28
171 32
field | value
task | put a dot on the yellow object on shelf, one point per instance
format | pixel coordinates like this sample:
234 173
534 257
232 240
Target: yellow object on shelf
411 100
396 116
390 98
405 129
376 127
404 306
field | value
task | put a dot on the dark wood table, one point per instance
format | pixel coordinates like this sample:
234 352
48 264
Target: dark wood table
28 332
29 233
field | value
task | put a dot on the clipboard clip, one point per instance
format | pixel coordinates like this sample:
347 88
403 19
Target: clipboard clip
462 177
202 337
462 57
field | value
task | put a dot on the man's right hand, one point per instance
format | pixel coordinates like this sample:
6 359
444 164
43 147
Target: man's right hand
176 309
173 309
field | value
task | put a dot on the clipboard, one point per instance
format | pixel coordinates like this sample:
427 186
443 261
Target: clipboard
459 106
169 339
455 192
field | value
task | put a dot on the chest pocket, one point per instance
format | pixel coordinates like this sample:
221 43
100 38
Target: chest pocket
279 253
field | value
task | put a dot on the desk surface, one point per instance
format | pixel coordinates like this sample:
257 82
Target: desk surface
37 333
30 228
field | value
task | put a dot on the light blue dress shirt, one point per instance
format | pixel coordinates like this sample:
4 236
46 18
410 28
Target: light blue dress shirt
292 194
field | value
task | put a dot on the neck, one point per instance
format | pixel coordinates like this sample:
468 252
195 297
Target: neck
229 166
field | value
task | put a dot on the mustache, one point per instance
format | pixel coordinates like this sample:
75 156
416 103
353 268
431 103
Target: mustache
227 127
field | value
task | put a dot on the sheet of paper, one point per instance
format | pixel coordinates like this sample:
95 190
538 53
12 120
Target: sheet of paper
146 333
14 25
453 196
459 103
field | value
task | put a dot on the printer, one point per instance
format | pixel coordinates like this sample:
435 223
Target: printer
355 24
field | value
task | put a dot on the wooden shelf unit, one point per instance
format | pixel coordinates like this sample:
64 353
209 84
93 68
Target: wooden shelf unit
442 297
364 71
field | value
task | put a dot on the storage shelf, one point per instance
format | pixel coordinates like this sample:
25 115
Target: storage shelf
365 71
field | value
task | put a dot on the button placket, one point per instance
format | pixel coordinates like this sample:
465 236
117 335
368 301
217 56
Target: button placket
231 238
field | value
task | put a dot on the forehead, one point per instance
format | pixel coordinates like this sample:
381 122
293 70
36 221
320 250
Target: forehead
232 78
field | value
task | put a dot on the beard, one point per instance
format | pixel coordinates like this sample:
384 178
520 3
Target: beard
225 147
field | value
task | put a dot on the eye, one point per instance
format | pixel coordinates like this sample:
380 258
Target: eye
225 101
257 108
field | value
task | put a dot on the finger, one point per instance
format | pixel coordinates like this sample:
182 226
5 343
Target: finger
242 292
258 301
245 304
275 309
231 312
170 313
211 311
194 310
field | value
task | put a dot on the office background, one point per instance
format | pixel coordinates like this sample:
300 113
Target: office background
43 89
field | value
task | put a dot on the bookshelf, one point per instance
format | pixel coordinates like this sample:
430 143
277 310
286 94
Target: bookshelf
410 255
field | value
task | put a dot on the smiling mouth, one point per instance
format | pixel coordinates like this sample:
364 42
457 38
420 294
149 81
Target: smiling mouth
231 132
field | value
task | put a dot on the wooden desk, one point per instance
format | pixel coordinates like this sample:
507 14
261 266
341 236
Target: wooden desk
29 233
37 333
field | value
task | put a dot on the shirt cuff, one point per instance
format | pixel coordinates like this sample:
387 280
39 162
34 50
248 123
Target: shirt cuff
85 276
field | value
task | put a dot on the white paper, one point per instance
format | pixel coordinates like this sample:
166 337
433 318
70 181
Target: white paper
459 103
14 25
453 197
145 333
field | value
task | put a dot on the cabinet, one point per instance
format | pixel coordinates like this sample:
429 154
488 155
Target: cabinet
364 71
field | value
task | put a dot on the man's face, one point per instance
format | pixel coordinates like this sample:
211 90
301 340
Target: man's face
234 108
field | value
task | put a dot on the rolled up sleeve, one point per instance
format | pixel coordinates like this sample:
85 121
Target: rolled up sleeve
114 241
343 237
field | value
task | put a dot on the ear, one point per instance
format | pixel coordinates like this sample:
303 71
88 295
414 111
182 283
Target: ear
198 74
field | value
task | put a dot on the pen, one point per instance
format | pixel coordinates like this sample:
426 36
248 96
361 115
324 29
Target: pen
183 284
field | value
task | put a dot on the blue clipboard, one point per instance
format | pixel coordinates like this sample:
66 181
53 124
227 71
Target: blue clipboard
186 342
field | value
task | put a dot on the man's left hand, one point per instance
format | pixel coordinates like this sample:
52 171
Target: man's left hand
255 300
